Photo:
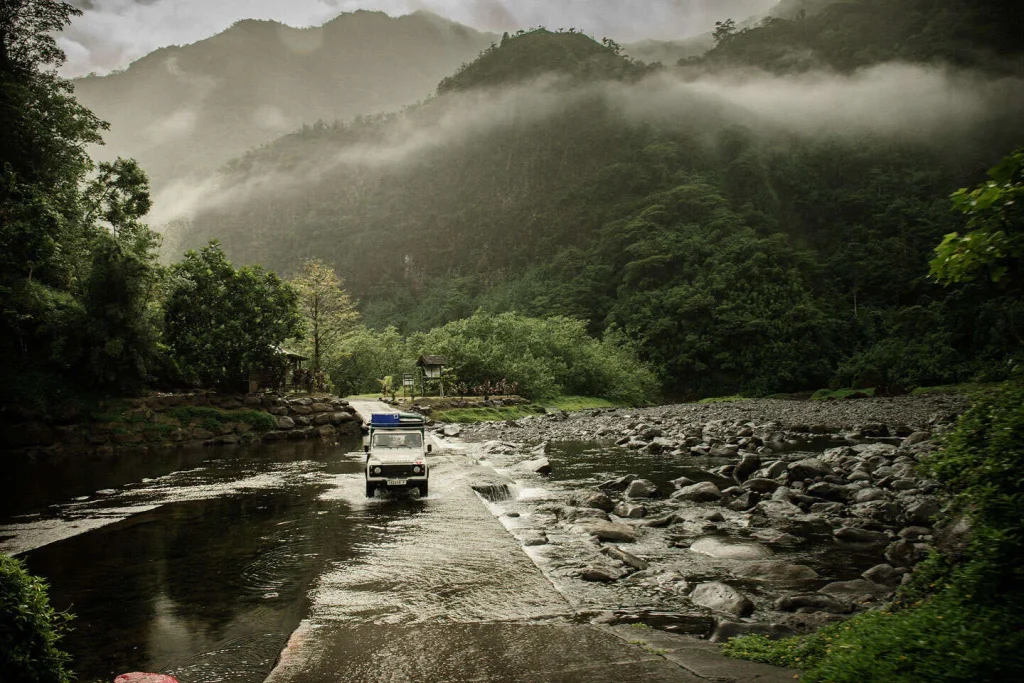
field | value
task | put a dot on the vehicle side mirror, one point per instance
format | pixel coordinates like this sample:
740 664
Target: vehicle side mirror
366 449
430 448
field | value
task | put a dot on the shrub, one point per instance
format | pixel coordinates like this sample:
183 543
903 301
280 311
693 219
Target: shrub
30 629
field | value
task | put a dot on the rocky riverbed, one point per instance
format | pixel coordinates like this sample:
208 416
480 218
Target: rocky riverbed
766 516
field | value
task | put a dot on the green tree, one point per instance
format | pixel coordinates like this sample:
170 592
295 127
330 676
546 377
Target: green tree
993 246
328 312
221 323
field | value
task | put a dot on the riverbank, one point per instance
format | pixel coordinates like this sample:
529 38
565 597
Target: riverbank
764 516
170 420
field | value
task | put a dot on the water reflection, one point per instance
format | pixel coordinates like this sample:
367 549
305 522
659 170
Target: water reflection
208 589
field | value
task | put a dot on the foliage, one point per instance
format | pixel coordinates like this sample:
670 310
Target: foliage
212 417
959 618
30 629
993 246
328 314
842 394
472 415
222 323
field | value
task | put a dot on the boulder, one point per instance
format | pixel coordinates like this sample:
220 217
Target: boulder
922 512
642 488
721 597
609 531
854 535
538 466
284 422
744 501
592 499
884 574
201 434
630 511
916 438
625 557
725 548
322 407
746 467
322 419
600 574
869 495
777 572
903 553
452 430
811 602
620 484
761 485
809 468
704 492
533 537
727 630
139 677
858 589
340 417
829 491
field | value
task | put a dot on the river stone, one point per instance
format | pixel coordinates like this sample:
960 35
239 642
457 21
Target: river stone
777 469
683 482
725 450
609 531
903 553
341 417
916 438
746 467
704 492
285 422
592 499
642 488
630 511
724 548
721 597
884 574
538 466
321 420
809 468
856 589
761 485
922 512
620 484
600 574
201 434
868 495
854 535
300 410
829 491
625 557
452 430
777 571
744 501
533 537
303 421
811 602
139 677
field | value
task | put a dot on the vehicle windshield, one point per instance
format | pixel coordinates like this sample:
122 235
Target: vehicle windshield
412 440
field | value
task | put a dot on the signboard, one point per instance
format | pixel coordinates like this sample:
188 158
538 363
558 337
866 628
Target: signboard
407 380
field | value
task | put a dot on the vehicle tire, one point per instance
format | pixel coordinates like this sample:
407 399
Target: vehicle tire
423 489
371 488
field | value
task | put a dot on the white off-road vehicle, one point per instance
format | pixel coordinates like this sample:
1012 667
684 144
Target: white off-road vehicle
396 453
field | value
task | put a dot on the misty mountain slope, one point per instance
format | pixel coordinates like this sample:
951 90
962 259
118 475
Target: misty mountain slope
852 34
532 54
186 110
715 221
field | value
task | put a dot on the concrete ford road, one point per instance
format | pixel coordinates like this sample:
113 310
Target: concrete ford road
396 452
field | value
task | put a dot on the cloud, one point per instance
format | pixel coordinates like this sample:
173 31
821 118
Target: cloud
925 105
113 33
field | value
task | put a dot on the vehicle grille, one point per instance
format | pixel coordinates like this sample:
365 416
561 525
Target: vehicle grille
398 472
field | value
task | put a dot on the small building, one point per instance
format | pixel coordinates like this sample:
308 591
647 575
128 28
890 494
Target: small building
282 377
432 366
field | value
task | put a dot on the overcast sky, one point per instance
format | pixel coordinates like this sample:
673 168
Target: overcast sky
113 33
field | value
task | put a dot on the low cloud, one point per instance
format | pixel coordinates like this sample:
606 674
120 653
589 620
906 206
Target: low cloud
113 33
927 105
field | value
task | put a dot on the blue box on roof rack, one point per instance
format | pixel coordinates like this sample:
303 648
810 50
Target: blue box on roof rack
385 419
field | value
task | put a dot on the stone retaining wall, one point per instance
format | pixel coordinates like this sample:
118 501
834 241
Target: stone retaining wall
164 420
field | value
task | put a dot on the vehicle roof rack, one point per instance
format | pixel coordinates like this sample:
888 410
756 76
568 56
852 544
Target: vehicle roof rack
396 420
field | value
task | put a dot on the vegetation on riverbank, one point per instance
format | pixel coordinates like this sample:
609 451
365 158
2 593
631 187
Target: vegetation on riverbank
504 413
959 618
30 629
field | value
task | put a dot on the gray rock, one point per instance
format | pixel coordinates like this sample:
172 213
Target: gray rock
704 492
630 511
761 485
903 553
538 466
284 422
642 488
592 499
620 484
625 557
776 571
916 438
854 535
721 597
857 589
609 531
726 450
922 512
884 574
746 467
809 468
777 469
600 574
452 430
725 548
912 533
533 537
744 501
683 482
828 491
869 495
811 602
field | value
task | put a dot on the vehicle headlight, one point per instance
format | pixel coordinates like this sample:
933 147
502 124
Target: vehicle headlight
376 470
417 469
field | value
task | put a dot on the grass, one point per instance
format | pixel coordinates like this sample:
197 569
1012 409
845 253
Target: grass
722 399
967 389
504 414
210 418
842 394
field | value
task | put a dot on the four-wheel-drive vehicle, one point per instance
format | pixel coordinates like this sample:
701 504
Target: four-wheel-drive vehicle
396 453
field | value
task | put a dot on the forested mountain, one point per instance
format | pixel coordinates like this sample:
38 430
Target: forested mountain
186 110
745 232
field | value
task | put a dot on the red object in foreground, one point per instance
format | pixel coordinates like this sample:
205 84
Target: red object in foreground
139 677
